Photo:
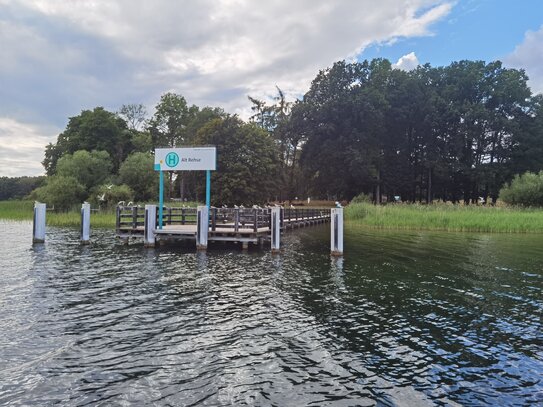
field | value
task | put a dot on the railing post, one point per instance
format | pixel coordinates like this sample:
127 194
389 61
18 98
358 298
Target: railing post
118 219
183 216
85 223
275 227
236 219
336 232
214 220
38 229
255 226
134 217
149 226
202 227
169 215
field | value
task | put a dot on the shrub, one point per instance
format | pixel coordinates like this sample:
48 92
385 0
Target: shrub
90 169
137 171
61 192
524 190
109 195
361 198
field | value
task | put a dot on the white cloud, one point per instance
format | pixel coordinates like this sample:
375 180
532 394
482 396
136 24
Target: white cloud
529 56
22 147
65 56
407 62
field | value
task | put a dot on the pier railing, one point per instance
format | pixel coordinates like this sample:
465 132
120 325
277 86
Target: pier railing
236 219
130 219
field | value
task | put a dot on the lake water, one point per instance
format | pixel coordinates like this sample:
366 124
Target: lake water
404 318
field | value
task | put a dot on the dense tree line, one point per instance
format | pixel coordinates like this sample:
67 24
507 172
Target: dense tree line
106 157
455 133
18 187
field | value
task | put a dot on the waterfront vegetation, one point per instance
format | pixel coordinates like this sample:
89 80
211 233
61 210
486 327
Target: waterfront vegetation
439 216
23 210
446 217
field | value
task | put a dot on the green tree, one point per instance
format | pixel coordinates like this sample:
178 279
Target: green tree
247 162
524 190
134 115
95 129
89 168
137 171
61 192
343 122
142 141
168 126
18 187
187 182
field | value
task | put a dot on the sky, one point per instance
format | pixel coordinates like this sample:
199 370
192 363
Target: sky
60 57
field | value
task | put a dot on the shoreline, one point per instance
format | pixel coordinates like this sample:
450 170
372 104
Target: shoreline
402 217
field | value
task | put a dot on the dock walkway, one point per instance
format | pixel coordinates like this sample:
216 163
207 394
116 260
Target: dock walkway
245 225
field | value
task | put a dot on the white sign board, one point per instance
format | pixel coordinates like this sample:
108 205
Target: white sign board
186 159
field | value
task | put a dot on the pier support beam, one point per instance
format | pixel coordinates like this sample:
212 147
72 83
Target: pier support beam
149 226
85 223
275 228
202 227
38 229
336 232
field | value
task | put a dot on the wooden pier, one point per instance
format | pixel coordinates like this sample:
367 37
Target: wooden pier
244 225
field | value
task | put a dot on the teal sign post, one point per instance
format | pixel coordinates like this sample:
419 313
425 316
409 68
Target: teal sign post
184 159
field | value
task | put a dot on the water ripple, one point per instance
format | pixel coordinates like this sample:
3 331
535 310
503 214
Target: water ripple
403 319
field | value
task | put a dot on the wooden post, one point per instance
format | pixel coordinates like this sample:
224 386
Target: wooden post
336 235
149 226
118 219
38 229
275 227
134 217
236 220
85 223
214 219
202 227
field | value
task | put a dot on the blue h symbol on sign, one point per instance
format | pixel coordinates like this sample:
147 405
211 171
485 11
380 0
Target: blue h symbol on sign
172 159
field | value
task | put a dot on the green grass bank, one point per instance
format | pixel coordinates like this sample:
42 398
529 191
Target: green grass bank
24 210
446 217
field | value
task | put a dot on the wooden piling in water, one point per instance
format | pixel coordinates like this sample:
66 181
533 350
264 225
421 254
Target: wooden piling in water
38 227
336 232
275 226
202 227
85 223
149 226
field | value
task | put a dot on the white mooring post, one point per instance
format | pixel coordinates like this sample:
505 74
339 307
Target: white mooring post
336 232
275 229
149 226
202 227
38 230
85 223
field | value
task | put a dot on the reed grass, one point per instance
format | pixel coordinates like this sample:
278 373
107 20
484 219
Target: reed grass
24 210
16 210
446 217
